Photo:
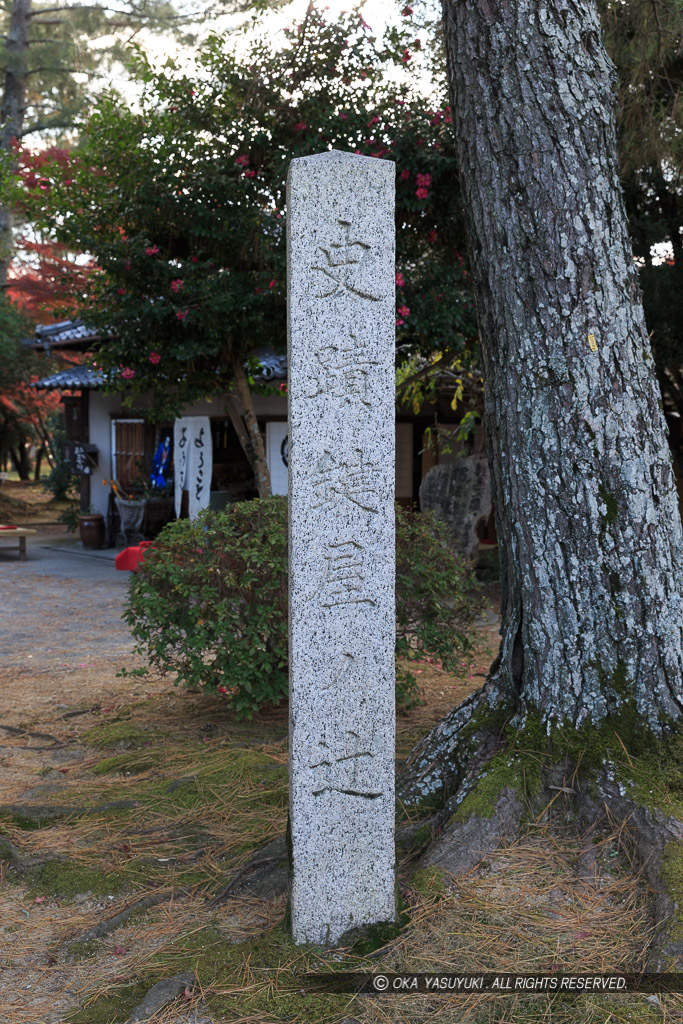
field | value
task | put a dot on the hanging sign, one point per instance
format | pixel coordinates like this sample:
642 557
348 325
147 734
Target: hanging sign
193 462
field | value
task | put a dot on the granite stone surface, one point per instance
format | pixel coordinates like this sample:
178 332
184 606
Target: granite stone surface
341 542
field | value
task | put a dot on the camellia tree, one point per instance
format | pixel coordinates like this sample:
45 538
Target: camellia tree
182 206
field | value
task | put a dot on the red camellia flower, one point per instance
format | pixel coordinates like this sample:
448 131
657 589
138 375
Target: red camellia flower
242 161
406 57
181 314
177 285
432 236
405 175
300 126
400 281
122 291
127 373
424 180
421 193
272 284
154 358
403 311
222 689
152 250
407 11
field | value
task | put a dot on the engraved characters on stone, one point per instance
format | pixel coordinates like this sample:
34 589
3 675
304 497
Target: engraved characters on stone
340 263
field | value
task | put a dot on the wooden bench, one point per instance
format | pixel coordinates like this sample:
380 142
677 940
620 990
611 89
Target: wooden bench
19 533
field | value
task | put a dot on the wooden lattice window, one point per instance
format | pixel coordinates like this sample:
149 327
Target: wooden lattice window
128 451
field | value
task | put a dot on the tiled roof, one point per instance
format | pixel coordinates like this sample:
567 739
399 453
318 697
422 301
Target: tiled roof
62 335
274 367
74 332
74 378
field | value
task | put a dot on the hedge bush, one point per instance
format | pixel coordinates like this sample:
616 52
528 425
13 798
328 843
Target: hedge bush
209 603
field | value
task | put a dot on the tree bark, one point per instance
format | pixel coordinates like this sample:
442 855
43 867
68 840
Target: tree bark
12 112
20 460
586 513
255 451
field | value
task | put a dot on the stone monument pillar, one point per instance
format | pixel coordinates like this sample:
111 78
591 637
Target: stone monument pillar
340 219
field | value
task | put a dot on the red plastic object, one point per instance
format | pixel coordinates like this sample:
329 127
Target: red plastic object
129 557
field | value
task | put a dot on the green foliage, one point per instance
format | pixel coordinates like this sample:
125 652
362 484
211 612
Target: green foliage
183 203
436 597
209 603
643 40
61 482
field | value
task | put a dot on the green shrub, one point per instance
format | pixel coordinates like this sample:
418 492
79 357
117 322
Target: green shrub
209 603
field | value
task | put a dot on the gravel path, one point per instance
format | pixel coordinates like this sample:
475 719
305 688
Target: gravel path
60 608
62 639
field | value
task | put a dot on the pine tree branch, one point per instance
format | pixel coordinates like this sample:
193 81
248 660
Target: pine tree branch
109 10
58 71
43 126
73 7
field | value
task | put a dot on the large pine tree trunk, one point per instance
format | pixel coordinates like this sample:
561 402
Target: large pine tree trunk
587 516
12 111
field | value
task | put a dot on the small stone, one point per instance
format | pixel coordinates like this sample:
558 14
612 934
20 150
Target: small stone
161 994
459 493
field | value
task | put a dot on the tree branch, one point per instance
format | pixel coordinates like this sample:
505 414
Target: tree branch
43 126
58 71
72 7
107 10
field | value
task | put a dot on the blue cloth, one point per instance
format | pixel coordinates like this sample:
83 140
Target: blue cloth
161 464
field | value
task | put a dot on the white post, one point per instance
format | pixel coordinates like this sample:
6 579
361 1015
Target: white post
340 218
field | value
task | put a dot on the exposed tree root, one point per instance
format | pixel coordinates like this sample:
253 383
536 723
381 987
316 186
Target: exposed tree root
463 764
247 869
460 845
15 731
112 923
48 812
651 831
440 762
9 852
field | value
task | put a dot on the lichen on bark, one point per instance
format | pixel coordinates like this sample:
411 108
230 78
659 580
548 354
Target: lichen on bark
587 519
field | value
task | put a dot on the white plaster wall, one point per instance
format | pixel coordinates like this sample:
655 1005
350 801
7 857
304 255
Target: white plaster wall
103 407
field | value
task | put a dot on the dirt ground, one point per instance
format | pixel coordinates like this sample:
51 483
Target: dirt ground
115 788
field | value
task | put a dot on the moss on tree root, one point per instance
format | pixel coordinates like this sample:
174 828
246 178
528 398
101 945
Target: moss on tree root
616 768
